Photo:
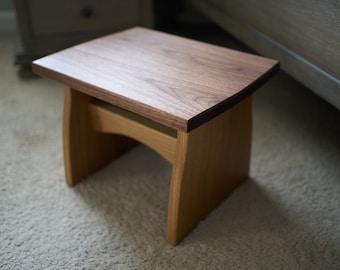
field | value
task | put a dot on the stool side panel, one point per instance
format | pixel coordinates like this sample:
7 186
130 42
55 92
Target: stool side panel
86 151
210 162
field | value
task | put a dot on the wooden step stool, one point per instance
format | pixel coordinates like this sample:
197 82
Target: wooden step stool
187 100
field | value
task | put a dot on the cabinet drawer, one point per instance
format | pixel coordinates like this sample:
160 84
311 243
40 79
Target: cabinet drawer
81 16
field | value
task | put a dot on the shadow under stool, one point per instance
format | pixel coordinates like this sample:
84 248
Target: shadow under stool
189 101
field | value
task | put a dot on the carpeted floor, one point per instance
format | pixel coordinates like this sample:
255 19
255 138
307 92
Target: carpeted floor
285 216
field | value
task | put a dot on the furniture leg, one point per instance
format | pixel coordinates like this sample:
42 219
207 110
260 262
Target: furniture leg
210 162
85 150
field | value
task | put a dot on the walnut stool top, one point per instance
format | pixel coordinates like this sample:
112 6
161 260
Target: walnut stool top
178 82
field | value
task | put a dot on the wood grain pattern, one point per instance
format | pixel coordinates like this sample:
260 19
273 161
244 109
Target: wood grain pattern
308 27
85 150
210 162
107 118
302 35
171 94
177 82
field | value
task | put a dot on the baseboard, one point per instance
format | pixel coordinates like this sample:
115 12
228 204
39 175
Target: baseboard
7 21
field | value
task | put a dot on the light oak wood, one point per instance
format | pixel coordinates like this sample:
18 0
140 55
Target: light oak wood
189 101
85 150
174 81
107 118
210 162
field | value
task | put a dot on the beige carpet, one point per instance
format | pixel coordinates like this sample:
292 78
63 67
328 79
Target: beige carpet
286 216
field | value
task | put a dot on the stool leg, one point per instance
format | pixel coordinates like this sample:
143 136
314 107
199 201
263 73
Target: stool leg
85 150
210 162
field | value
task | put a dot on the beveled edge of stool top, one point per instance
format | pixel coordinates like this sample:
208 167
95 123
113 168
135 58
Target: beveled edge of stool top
178 82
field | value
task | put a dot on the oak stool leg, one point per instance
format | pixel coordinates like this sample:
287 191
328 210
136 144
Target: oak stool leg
210 162
85 150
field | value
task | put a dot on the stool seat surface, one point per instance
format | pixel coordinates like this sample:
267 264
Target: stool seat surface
178 82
